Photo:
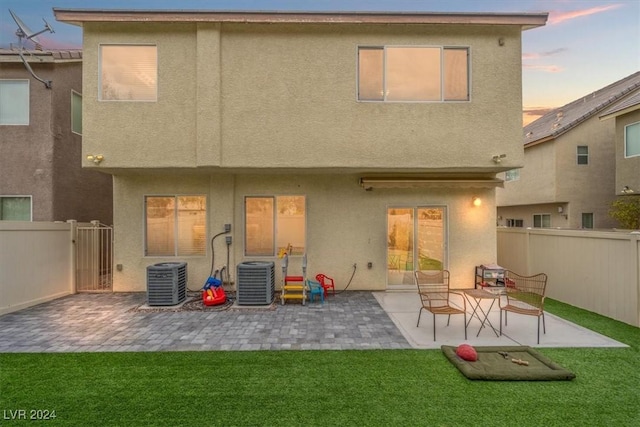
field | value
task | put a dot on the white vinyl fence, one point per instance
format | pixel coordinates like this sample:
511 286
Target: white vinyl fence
39 261
36 263
598 271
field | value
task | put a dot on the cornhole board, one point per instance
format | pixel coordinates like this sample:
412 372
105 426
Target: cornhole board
492 366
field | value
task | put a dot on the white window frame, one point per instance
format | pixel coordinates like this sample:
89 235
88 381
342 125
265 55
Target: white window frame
582 219
100 72
75 95
626 145
514 222
15 196
275 249
28 101
176 234
442 72
580 155
542 216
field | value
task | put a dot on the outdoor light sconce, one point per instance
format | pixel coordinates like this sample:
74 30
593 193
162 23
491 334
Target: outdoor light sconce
477 202
498 158
95 158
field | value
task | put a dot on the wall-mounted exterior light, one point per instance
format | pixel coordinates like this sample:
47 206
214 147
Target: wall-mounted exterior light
95 158
477 202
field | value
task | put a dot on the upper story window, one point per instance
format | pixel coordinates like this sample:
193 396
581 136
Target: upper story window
76 112
128 73
14 102
512 175
175 225
275 224
632 140
582 155
15 208
413 73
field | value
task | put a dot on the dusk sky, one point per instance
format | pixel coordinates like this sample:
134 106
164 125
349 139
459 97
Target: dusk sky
586 44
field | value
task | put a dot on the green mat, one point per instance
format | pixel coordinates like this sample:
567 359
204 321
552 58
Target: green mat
493 366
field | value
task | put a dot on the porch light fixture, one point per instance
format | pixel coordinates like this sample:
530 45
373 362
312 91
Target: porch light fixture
477 202
95 158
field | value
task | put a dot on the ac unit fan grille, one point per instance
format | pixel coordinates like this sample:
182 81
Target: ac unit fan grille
256 283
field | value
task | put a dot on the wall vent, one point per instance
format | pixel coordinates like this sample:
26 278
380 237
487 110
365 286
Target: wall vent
166 283
256 283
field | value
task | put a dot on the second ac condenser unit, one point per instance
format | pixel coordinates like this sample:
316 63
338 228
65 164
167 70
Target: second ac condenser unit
256 283
166 283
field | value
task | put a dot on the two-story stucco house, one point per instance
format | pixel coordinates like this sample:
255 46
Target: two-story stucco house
360 139
572 172
627 142
41 175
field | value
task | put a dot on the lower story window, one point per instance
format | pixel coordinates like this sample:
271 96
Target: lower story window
275 224
587 220
15 208
515 222
542 220
175 225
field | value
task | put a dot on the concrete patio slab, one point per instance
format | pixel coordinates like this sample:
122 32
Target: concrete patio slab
403 308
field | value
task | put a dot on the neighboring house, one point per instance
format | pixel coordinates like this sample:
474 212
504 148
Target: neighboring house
41 174
570 175
627 141
356 138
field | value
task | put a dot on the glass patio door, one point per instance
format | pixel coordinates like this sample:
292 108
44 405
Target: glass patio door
415 241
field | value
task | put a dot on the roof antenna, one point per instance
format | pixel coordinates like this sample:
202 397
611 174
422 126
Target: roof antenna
23 32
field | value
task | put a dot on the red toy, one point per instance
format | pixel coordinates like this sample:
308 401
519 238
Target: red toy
326 283
213 292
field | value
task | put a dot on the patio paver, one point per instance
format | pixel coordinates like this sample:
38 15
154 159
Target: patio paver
350 320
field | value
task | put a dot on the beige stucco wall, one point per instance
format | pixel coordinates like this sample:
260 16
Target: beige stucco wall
274 96
345 225
627 169
552 178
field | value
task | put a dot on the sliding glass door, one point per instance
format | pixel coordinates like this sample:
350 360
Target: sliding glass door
416 240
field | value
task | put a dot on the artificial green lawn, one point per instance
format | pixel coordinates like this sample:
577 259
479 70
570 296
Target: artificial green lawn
338 388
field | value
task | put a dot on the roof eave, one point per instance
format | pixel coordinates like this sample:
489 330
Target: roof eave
80 16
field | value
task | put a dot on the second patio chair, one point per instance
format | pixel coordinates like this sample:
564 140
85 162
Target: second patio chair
436 297
524 295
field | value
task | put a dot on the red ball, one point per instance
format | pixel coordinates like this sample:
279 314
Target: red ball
467 352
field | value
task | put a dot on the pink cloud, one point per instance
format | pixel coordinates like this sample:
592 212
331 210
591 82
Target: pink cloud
556 17
544 68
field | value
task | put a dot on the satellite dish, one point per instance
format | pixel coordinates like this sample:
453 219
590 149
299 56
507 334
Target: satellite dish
23 32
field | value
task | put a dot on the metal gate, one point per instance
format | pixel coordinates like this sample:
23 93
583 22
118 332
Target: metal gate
94 258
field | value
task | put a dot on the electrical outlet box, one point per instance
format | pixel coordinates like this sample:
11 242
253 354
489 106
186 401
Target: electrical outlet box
369 265
227 228
228 239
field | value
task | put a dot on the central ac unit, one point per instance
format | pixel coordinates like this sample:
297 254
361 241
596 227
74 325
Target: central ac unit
256 283
166 283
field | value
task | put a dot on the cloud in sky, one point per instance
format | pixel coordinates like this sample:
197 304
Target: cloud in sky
538 55
544 68
557 17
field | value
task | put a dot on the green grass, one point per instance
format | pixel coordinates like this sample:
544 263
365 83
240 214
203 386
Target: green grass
337 388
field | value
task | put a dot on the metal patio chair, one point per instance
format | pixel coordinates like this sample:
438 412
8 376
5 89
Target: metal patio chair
524 295
435 295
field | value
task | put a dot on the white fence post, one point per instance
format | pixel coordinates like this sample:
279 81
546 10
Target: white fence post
74 254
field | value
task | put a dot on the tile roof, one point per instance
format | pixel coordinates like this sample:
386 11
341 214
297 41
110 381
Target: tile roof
50 55
629 103
560 120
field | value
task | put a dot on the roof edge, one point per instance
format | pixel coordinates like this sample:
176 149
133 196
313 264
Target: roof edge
80 16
